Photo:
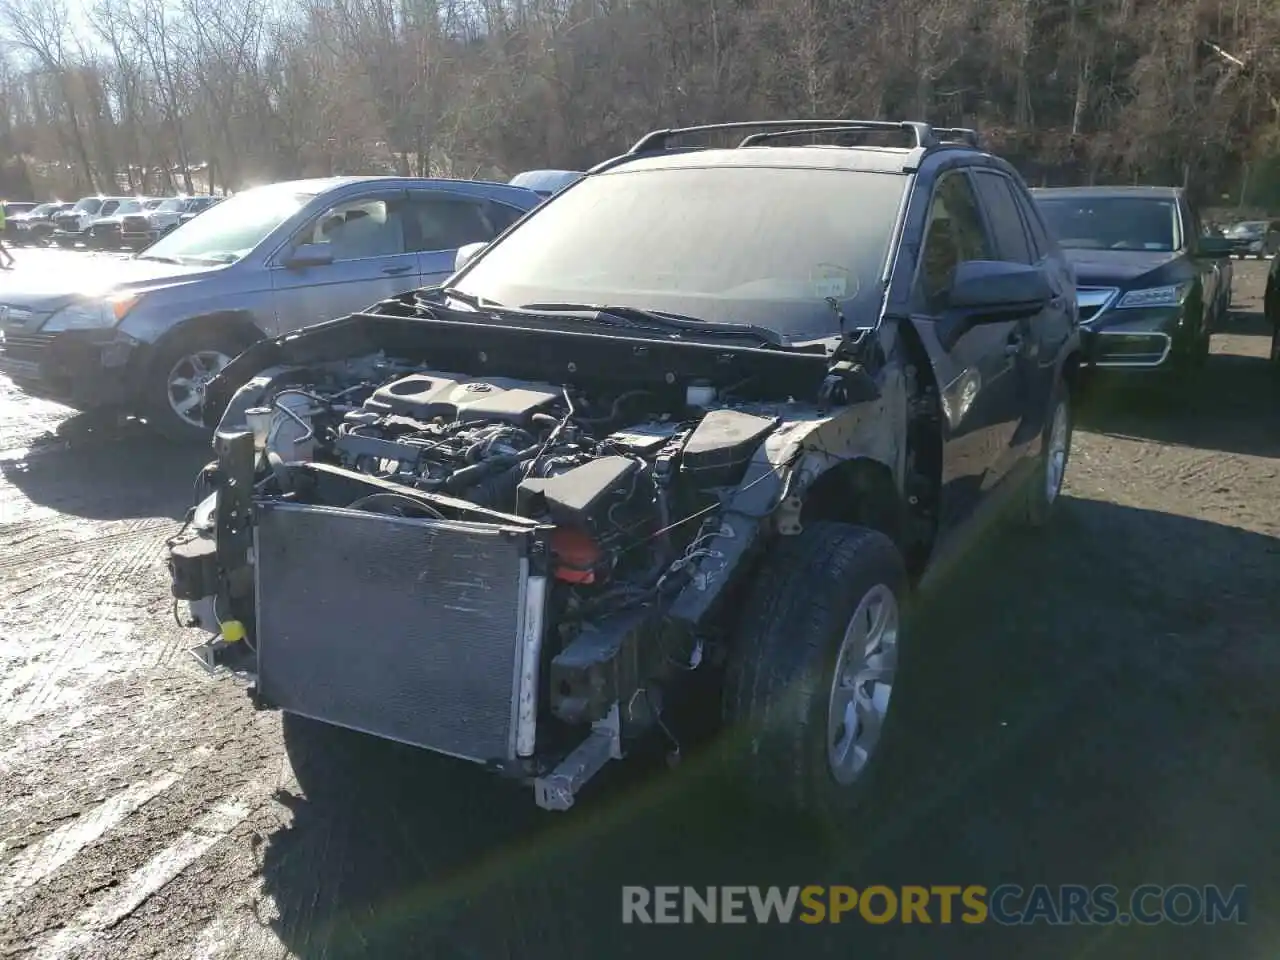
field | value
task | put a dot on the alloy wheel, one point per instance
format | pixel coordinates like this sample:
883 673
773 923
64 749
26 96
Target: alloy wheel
188 380
862 684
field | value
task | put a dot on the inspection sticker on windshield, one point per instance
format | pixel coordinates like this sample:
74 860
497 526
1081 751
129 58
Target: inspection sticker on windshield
829 281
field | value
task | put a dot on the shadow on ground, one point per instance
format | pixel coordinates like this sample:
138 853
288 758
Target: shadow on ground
69 469
1233 405
1095 707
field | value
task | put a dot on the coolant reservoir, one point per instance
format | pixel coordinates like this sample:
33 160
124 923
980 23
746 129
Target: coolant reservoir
291 435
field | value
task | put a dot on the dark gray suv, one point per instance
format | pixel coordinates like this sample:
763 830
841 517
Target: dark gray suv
148 332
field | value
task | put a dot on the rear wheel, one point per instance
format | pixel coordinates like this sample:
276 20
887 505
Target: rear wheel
179 374
808 687
1051 465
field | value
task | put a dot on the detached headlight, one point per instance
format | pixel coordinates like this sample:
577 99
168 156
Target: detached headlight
90 314
1156 296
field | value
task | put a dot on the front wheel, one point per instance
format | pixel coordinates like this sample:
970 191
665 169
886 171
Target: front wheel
180 372
809 681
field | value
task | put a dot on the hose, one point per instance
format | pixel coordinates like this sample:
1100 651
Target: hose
364 502
469 476
498 490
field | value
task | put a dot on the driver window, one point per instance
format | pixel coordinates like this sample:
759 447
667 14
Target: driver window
953 235
358 229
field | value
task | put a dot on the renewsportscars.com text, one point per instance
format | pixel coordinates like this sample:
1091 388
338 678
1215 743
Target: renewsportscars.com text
1007 904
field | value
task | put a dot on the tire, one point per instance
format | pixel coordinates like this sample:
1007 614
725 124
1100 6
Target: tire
1275 349
780 697
192 356
1051 465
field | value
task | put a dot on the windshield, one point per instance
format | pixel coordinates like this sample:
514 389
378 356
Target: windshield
1113 223
231 229
128 206
173 203
770 246
88 205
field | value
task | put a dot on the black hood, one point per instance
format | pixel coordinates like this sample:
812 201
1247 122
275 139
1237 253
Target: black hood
1123 268
458 341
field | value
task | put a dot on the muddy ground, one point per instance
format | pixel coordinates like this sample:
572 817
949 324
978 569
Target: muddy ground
1100 707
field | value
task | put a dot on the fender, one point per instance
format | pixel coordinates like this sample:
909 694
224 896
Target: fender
790 462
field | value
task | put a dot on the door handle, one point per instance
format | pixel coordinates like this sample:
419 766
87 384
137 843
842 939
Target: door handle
395 271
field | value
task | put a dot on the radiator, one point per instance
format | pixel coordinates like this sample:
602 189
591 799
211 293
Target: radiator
423 631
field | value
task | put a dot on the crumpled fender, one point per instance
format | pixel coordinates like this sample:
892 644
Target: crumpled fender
803 448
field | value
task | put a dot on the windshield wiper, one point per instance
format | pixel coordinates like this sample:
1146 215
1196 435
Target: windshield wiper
637 318
152 256
470 299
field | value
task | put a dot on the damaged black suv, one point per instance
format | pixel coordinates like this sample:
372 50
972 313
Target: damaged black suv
707 414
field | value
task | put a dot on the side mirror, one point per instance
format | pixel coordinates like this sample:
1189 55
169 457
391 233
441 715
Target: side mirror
309 255
1216 247
466 254
985 289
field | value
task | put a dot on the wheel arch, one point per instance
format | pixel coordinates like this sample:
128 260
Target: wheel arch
238 323
860 491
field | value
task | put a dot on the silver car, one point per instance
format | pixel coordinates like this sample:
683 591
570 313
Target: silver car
148 332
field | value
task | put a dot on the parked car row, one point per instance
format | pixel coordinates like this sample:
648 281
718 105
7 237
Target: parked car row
103 223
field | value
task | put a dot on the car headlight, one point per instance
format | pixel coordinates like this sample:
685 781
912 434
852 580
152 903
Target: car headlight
90 314
1171 296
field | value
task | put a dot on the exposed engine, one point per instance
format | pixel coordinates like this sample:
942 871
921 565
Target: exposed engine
550 561
616 477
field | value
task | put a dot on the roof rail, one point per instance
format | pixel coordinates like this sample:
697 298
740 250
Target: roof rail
656 140
851 127
959 134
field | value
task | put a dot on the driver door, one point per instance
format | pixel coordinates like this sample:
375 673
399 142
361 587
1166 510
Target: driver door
371 261
976 369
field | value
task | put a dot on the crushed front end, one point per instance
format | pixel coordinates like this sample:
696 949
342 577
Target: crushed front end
506 570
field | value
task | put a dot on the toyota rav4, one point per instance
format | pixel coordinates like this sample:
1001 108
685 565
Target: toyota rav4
708 414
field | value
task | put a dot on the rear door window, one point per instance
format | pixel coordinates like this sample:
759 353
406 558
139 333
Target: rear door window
447 223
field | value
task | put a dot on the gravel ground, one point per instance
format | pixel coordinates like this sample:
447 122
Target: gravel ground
1099 708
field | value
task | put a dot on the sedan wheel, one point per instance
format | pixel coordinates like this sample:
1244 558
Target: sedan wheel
187 381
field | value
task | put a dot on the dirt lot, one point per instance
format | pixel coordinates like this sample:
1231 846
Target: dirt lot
1100 707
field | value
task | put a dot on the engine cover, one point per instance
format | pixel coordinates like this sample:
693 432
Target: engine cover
425 396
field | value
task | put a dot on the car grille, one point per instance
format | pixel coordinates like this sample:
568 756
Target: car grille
105 229
28 347
69 224
1091 301
136 224
412 630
